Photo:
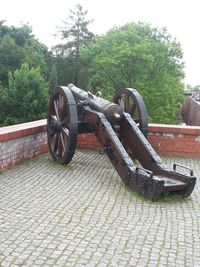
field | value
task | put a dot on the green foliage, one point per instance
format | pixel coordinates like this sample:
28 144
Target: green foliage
26 97
23 92
53 79
10 58
135 55
4 30
142 57
18 46
76 35
65 69
191 89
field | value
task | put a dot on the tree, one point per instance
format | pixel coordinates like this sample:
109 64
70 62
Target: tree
3 29
140 56
196 88
17 46
76 35
26 97
24 67
53 79
189 89
10 58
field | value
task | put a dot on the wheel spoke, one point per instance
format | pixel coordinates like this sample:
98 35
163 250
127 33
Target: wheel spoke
62 142
51 128
121 103
55 144
65 130
60 101
56 108
60 106
66 137
53 117
60 151
133 108
66 120
52 132
127 104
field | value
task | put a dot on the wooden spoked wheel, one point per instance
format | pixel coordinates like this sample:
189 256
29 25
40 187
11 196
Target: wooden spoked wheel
62 125
131 102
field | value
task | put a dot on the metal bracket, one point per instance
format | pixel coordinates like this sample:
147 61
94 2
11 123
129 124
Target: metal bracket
184 167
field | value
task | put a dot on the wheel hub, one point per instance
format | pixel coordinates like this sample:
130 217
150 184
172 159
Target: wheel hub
56 125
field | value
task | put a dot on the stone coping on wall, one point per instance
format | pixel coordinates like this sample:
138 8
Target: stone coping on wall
178 129
21 130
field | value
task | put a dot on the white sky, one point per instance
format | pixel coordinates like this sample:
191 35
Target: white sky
181 17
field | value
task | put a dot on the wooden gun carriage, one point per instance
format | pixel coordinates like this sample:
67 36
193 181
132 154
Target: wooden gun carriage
121 128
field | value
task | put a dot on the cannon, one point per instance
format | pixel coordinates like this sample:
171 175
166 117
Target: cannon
121 128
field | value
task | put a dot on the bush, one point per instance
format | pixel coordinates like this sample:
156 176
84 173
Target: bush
26 97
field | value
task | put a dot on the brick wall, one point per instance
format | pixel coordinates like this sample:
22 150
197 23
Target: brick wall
175 140
88 141
22 141
27 140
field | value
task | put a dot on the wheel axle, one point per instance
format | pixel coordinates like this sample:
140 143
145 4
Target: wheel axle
56 126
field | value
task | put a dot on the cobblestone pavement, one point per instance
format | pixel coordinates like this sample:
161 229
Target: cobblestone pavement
82 215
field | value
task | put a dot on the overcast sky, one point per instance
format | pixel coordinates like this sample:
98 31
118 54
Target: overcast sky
181 17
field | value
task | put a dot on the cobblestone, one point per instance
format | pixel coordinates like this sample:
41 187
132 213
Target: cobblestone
82 215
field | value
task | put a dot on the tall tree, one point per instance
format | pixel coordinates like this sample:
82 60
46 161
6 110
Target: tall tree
53 79
140 56
76 35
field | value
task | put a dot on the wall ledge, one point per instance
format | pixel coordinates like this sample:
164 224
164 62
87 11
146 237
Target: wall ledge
179 129
21 130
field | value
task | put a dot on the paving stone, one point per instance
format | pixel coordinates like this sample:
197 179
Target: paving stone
82 215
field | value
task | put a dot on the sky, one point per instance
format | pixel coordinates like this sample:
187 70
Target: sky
180 17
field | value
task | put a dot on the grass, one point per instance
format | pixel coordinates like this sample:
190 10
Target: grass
172 198
165 198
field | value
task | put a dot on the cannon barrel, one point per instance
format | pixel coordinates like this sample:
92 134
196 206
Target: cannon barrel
112 111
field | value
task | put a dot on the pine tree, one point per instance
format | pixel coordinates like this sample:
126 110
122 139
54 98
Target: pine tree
76 34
